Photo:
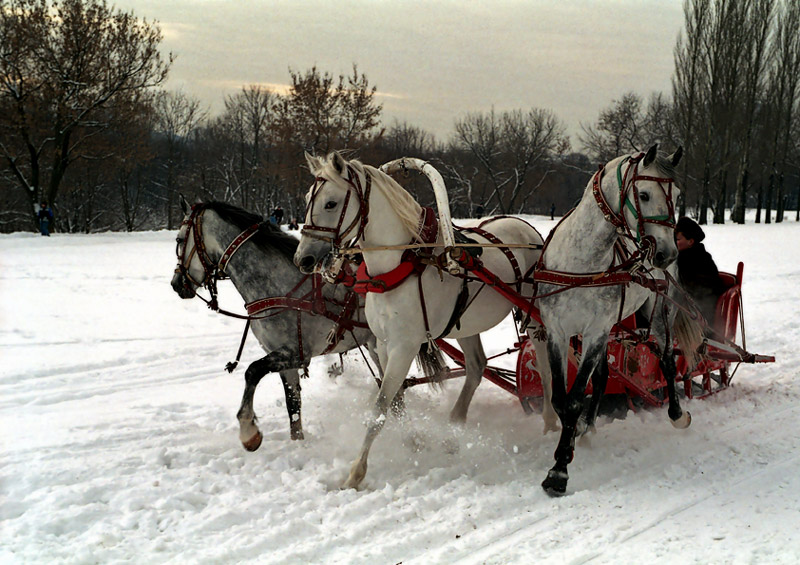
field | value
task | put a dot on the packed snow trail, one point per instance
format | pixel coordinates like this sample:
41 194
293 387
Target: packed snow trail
119 437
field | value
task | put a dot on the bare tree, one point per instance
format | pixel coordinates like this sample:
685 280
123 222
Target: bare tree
61 64
177 116
760 22
320 114
508 149
785 96
687 83
618 130
247 123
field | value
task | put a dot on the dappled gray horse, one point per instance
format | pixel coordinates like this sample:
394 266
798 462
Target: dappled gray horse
217 239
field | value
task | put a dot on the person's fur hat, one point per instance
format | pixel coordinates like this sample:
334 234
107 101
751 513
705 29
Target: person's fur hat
690 229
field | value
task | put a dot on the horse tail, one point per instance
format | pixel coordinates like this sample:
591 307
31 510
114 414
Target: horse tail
431 362
689 333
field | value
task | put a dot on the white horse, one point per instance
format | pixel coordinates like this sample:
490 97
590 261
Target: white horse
352 202
622 227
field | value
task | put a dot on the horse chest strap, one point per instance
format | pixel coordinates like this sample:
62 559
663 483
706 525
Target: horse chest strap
390 280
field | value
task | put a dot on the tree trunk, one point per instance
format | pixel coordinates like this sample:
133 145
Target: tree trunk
768 200
759 201
722 198
704 194
737 214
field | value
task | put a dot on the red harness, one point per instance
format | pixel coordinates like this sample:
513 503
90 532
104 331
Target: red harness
410 263
313 302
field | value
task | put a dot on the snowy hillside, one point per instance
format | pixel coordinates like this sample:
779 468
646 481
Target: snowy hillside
119 437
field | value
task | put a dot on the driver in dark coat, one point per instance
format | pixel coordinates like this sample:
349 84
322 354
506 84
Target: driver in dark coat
697 271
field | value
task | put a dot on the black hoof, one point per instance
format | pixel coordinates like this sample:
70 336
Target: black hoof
556 483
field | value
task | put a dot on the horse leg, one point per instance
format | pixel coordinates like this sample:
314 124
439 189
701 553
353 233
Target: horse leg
398 362
568 406
680 418
538 338
291 389
284 362
599 381
399 403
475 362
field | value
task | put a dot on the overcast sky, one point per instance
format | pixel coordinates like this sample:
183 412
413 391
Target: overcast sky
432 61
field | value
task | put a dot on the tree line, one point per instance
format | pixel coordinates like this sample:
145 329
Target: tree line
86 126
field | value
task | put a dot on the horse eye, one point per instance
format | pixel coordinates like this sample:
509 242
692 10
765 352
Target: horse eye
179 240
330 205
644 196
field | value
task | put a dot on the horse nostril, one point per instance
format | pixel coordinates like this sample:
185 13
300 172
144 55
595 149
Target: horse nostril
307 263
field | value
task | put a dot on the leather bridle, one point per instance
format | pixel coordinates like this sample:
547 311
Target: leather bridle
629 198
212 272
338 237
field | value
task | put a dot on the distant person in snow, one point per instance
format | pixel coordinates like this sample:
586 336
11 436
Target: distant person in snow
278 213
45 218
697 271
293 224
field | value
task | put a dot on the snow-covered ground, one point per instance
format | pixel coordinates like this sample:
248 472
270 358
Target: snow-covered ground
119 437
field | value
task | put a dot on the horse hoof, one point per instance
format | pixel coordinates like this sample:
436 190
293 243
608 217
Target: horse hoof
556 483
254 442
683 421
297 435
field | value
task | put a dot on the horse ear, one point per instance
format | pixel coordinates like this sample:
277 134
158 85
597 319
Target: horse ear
338 162
184 205
313 162
650 156
675 158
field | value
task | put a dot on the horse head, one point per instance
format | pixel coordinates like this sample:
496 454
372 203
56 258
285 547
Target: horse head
639 197
194 267
336 209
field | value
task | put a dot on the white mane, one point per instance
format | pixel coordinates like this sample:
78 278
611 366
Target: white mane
400 200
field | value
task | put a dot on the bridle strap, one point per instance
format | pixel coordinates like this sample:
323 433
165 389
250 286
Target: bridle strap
339 236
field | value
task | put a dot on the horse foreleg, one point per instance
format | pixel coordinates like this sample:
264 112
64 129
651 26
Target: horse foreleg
475 361
398 362
284 362
569 407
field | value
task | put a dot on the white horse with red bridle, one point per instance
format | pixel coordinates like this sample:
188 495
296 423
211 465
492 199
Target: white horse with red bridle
411 303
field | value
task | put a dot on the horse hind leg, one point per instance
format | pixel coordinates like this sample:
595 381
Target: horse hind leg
586 422
291 388
475 360
680 418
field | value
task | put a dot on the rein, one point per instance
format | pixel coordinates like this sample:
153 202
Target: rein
630 267
313 302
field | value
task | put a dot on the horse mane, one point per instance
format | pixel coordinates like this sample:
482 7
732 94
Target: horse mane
404 205
269 236
664 166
